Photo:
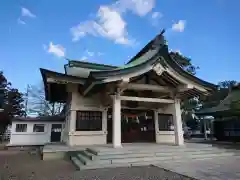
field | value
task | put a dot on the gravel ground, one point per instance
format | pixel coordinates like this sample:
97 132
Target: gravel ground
17 165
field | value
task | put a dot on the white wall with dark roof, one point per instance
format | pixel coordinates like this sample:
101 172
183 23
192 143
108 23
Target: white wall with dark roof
29 137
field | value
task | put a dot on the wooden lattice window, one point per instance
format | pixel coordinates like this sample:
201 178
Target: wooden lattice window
21 128
38 127
89 121
165 122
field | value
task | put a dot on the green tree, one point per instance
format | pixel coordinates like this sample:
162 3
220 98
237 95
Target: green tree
11 102
188 106
14 103
215 98
227 84
184 62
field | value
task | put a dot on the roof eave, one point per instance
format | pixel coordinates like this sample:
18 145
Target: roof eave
197 80
125 71
47 73
146 48
88 65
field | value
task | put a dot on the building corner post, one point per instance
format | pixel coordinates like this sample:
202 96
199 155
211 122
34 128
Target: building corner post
116 122
178 131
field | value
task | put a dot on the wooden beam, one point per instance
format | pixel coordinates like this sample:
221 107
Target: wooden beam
143 87
143 99
185 87
88 88
60 80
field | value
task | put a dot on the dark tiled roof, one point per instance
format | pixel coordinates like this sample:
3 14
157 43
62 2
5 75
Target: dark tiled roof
56 118
89 65
224 106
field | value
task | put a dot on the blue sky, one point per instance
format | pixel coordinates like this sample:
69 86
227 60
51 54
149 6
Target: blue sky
38 34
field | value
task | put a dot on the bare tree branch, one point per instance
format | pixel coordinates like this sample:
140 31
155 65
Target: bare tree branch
39 105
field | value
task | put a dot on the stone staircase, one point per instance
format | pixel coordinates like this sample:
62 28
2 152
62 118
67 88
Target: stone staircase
93 158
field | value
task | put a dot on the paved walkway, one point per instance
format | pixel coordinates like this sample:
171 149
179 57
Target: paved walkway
214 169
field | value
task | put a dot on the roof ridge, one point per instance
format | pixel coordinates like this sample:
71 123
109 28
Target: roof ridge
91 63
147 47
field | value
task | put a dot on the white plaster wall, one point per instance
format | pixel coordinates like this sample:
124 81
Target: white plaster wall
87 138
92 103
167 137
30 137
175 136
65 131
99 137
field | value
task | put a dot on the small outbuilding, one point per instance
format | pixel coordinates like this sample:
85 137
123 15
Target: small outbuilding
226 115
36 130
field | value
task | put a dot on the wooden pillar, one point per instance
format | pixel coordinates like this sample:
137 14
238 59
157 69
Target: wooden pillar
205 129
116 122
178 131
72 121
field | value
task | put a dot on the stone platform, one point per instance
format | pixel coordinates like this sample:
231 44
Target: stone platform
134 154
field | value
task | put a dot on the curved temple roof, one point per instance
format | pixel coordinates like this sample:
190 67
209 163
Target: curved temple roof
155 52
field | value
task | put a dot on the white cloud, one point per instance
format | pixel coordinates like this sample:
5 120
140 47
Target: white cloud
55 49
139 7
111 25
156 15
83 29
108 24
100 53
21 21
89 53
179 26
83 58
27 13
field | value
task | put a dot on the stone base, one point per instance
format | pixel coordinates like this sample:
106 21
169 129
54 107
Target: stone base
165 137
53 155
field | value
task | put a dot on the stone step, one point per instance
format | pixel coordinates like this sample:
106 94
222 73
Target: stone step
99 166
84 160
88 154
126 156
95 164
87 161
169 158
76 162
190 152
180 160
81 166
152 154
155 147
131 151
158 152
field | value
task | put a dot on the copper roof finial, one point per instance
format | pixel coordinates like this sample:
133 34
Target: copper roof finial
158 40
